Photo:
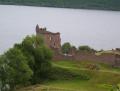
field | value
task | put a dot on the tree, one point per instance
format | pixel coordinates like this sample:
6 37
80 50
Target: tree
3 74
66 48
14 69
27 61
39 57
42 65
74 47
19 70
85 49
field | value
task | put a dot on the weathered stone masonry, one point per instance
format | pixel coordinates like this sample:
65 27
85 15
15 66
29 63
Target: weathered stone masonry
52 40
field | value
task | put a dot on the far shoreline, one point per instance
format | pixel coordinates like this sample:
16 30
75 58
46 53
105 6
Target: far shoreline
82 8
62 7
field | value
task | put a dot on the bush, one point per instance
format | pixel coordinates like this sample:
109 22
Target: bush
64 74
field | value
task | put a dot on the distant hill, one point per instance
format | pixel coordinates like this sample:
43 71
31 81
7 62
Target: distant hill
77 4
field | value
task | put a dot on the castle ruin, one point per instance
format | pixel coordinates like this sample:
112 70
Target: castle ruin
52 40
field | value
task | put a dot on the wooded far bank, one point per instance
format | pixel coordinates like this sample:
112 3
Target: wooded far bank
75 4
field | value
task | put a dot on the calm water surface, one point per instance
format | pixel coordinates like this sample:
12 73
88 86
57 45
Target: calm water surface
99 29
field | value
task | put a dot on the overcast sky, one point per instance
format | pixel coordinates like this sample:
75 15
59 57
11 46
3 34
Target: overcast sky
98 29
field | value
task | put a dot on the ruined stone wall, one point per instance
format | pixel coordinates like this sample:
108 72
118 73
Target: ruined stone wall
47 39
52 40
55 40
105 58
117 60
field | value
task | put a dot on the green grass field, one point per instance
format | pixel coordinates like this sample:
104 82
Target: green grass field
99 80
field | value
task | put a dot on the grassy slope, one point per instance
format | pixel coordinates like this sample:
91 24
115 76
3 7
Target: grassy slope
81 65
100 80
87 4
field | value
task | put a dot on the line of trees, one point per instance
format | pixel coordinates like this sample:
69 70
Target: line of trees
85 4
67 47
25 63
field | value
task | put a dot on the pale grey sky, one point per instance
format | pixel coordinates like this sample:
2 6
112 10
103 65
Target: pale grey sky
98 29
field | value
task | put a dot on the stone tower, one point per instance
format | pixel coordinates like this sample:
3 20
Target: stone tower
52 40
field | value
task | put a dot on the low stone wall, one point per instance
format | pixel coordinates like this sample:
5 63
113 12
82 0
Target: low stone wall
105 58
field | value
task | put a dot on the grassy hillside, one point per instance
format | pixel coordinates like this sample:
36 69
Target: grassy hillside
84 4
69 77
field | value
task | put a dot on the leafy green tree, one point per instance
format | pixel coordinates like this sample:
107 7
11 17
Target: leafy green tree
66 47
14 69
3 74
38 56
85 49
27 61
19 70
42 65
74 47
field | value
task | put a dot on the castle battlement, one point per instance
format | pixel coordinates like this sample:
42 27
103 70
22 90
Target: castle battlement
52 40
